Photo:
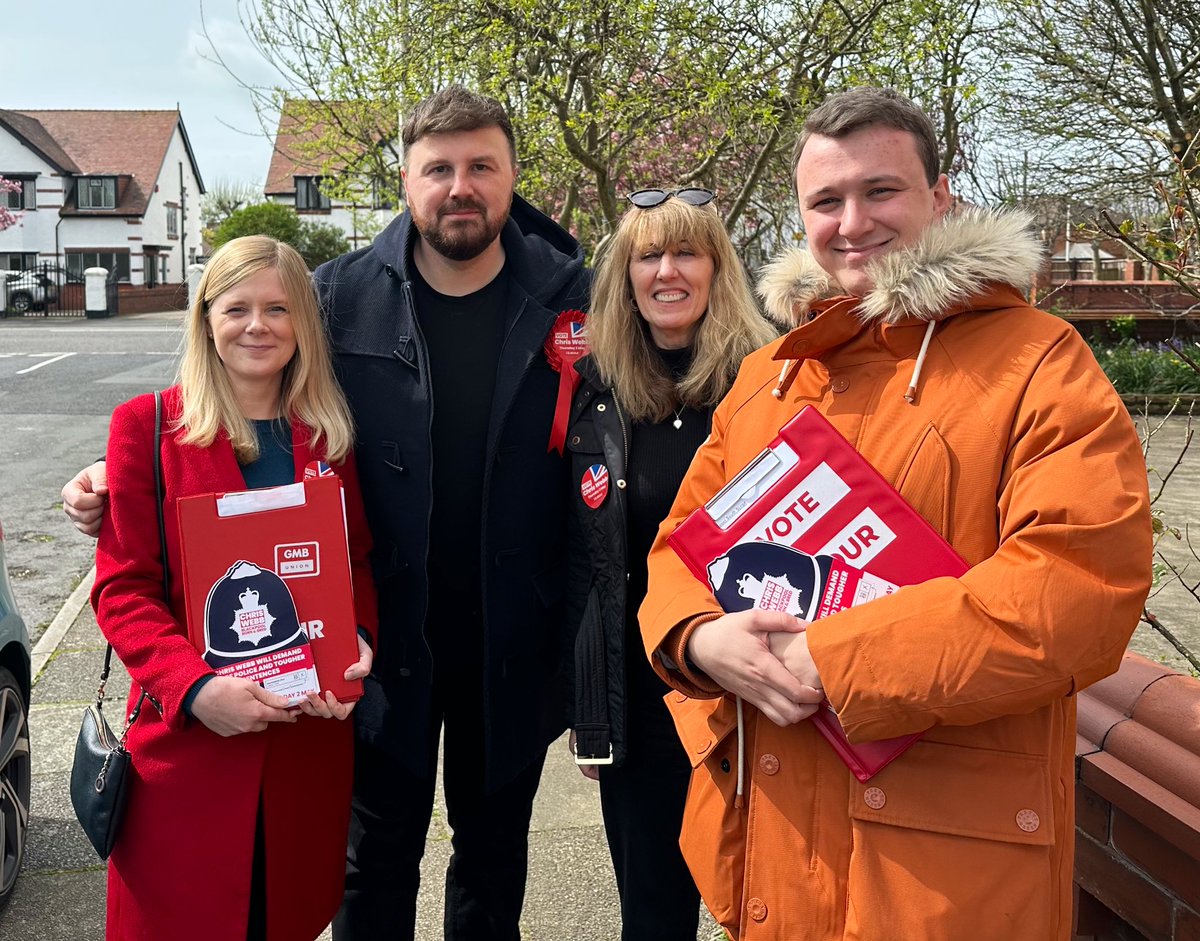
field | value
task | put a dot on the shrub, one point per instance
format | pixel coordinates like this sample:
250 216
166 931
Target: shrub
316 242
1149 368
273 219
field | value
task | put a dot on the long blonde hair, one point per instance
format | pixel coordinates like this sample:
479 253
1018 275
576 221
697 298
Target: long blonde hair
309 394
622 349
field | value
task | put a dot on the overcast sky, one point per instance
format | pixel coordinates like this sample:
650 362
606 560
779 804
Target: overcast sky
146 54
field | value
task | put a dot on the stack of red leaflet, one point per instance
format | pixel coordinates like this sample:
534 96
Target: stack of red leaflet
266 578
811 528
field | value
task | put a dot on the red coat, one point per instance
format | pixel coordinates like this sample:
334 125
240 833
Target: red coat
182 866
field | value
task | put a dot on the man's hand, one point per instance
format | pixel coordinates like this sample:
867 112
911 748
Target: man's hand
792 651
734 651
84 498
230 706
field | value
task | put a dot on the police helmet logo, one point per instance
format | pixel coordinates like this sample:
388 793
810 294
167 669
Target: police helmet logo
249 611
769 576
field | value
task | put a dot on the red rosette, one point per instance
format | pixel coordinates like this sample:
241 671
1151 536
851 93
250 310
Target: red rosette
566 344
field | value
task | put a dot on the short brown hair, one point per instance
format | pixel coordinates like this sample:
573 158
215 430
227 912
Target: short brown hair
455 109
846 112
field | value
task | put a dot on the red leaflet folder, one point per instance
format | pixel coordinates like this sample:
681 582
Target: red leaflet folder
810 527
266 579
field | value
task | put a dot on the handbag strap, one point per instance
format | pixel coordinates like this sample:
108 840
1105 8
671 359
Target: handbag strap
166 574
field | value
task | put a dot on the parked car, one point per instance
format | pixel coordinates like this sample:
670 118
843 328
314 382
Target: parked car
28 290
15 682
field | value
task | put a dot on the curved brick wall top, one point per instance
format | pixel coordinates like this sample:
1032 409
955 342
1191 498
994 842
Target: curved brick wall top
1138 746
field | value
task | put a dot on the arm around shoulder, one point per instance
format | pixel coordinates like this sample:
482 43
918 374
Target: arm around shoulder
128 593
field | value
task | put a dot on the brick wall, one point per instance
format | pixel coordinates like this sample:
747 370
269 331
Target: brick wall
1137 806
135 299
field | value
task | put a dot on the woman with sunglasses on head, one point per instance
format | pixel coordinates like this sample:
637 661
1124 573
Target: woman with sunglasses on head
237 807
671 319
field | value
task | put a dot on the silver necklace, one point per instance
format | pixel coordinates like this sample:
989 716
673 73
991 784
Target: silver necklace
678 422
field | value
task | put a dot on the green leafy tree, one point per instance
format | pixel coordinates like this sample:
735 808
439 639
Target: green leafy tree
604 97
222 199
316 242
1106 91
273 219
319 241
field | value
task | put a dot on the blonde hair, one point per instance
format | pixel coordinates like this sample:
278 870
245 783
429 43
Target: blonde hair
309 394
622 349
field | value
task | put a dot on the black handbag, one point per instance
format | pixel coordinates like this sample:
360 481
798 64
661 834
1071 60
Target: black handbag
102 764
99 772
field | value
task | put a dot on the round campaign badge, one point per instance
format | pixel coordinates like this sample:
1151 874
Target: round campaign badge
594 486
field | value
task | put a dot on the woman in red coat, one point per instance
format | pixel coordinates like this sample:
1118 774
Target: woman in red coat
238 808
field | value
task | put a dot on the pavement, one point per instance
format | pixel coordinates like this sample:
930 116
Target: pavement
571 895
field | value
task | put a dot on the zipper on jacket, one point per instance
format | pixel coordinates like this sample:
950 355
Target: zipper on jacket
427 387
624 433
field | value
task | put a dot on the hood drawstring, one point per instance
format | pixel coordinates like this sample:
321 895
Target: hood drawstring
787 375
791 368
741 755
911 394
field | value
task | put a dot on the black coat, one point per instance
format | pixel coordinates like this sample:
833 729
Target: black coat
605 696
598 433
380 359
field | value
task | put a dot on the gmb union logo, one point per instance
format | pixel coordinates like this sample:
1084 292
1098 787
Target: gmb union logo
298 559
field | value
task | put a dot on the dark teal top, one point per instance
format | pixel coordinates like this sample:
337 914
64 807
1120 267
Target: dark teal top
274 466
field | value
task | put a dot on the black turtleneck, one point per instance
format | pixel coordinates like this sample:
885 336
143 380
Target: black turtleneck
659 456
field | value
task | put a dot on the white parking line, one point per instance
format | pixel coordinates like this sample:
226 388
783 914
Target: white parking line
45 362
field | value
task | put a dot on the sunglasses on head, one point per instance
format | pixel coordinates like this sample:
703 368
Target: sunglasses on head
693 196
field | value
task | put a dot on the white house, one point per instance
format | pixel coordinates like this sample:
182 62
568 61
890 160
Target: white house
298 171
115 189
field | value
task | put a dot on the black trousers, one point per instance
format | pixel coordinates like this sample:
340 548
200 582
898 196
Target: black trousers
390 813
642 802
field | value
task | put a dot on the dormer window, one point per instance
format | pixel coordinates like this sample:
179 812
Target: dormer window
309 195
23 196
97 192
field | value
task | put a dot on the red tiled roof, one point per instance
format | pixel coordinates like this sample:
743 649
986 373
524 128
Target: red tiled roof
294 153
115 143
31 132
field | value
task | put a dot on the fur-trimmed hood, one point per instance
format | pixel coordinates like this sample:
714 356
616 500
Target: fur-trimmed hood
950 262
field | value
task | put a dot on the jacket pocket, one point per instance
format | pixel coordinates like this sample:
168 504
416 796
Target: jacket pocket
925 482
952 842
713 837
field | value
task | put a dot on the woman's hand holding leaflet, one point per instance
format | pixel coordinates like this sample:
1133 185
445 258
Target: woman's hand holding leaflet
230 706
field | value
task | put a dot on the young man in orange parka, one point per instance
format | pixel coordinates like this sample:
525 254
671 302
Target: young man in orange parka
913 337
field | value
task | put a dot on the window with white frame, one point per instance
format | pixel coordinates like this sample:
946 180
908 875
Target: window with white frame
97 192
309 196
172 222
18 261
115 260
23 198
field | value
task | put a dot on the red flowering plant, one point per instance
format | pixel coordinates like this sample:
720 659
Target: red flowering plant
8 218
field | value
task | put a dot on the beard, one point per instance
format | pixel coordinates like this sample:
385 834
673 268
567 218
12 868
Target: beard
461 240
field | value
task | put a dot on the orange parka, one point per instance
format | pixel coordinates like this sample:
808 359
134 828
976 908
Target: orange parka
1017 449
